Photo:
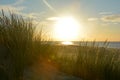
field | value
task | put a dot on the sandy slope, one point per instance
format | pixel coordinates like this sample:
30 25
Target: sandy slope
47 70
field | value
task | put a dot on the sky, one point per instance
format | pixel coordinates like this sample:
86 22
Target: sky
99 19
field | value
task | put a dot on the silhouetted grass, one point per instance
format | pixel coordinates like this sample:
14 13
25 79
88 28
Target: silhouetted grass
92 62
23 46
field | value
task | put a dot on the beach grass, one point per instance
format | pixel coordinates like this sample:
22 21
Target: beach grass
23 48
92 62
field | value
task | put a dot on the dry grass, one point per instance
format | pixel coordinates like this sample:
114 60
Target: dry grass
24 48
92 62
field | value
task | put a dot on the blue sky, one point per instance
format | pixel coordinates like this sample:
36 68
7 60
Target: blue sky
100 18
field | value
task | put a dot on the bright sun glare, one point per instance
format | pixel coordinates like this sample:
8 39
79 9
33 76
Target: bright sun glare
66 28
67 43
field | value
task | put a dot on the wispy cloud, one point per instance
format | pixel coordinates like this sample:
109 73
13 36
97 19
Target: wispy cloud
105 13
92 19
53 18
33 15
18 9
49 6
13 7
18 2
111 18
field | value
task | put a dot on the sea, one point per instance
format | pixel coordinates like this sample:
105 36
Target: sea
102 44
89 43
114 45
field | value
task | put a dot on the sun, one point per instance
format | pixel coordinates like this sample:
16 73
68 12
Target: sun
66 28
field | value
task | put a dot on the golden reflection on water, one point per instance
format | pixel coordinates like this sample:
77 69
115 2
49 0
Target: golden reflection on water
67 43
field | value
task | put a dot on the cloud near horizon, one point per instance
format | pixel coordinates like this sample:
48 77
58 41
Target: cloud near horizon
92 19
105 13
111 18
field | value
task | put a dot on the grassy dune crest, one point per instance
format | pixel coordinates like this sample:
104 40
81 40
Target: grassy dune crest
22 46
92 62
